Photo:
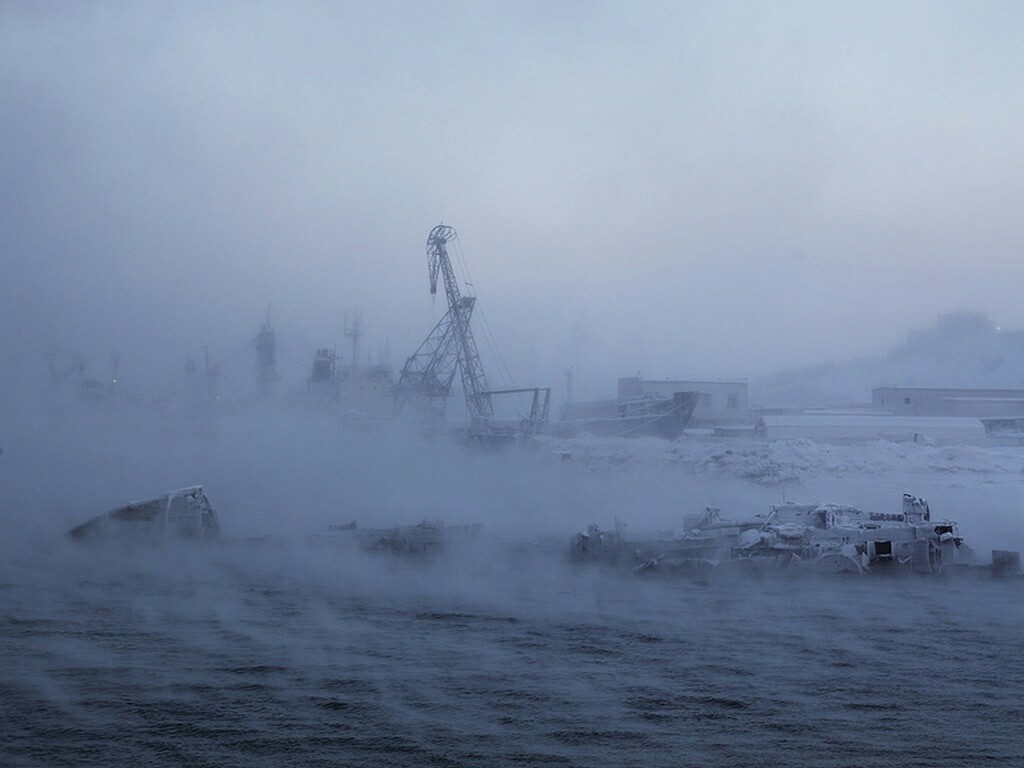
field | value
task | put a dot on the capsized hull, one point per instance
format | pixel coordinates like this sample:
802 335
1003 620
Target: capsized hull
185 513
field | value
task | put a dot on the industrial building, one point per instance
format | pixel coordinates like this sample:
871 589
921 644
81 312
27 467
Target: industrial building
722 401
949 401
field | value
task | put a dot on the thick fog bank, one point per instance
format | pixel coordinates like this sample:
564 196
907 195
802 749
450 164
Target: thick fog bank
293 473
960 349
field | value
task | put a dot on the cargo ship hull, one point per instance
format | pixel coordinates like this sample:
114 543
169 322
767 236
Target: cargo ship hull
644 417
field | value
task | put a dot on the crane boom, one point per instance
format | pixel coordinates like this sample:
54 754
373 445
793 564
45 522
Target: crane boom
438 262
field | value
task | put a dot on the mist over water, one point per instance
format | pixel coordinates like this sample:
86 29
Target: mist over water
256 651
787 194
244 657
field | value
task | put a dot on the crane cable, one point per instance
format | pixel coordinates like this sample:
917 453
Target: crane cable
164 394
492 345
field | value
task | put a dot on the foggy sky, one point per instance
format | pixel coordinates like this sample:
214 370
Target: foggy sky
684 189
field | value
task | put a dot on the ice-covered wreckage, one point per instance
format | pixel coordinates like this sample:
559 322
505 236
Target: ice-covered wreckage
185 513
426 538
823 537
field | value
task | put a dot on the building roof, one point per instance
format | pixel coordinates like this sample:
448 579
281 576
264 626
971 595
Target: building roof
985 399
949 389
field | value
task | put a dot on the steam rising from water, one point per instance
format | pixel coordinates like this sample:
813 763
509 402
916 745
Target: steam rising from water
254 655
691 190
253 652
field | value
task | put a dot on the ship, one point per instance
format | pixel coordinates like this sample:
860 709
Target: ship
828 538
185 513
648 415
429 537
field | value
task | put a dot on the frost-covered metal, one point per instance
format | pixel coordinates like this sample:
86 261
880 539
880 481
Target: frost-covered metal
823 537
426 378
185 513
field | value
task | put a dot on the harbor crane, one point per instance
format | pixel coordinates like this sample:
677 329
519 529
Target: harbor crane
426 378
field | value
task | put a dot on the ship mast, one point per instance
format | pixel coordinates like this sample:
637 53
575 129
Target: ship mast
266 358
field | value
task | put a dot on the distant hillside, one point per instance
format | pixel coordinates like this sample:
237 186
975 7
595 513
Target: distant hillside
960 350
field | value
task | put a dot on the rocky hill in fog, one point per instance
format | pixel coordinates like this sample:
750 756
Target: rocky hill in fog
960 350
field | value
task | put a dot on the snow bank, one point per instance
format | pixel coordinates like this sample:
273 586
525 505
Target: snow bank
784 460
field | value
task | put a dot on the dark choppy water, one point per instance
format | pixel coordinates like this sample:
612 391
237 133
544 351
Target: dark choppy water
295 656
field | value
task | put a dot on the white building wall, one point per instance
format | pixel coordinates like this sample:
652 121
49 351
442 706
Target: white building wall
943 401
831 428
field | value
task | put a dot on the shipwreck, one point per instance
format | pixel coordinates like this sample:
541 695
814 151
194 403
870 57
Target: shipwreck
828 538
429 537
185 513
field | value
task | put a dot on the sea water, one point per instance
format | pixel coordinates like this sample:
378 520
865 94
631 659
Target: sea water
291 654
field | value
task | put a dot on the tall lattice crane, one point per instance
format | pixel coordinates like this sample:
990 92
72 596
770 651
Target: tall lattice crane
426 378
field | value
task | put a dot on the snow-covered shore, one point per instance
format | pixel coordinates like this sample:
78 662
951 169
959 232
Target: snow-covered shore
786 460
